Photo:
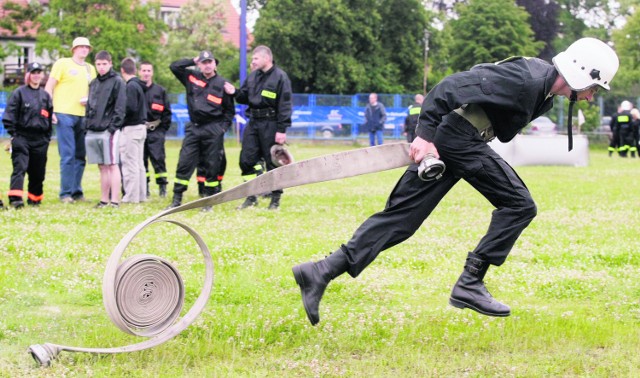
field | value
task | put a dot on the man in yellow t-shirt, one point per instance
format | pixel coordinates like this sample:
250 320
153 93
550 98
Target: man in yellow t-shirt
68 84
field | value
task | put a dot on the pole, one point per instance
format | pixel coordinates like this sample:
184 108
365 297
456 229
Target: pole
426 61
243 58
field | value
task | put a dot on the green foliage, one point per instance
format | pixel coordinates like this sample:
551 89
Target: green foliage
123 27
346 46
489 31
200 27
571 281
627 44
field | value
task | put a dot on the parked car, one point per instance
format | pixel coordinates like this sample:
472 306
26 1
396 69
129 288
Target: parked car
542 126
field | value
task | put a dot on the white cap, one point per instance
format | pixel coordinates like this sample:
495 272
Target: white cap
80 41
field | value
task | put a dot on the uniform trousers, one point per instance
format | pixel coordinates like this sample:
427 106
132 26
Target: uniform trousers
467 156
29 156
258 138
200 143
154 151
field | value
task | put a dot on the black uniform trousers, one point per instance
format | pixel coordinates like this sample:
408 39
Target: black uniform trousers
468 157
29 156
154 151
258 138
223 167
200 143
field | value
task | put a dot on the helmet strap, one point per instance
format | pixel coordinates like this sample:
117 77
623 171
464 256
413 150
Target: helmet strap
572 100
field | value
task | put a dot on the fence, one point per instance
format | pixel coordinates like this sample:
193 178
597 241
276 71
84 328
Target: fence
315 116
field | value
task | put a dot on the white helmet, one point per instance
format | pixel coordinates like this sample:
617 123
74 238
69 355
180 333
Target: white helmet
626 105
587 62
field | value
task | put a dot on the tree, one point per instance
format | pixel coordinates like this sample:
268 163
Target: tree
544 22
345 46
627 44
488 31
122 27
200 28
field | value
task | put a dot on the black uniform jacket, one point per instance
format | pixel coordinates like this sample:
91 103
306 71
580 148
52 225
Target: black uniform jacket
268 90
136 109
106 103
158 106
28 113
206 99
512 93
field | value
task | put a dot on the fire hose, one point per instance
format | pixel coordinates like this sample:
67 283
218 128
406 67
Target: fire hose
144 294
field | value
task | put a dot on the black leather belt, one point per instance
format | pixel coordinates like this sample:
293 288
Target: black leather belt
261 113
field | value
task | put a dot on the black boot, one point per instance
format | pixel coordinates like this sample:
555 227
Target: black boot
201 189
249 202
177 201
470 292
162 190
313 279
275 201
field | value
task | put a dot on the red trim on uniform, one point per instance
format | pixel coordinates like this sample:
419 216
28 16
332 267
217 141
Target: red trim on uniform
200 178
214 99
35 198
15 193
44 113
197 82
220 178
157 107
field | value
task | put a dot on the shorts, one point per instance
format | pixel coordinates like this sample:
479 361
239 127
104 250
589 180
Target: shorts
102 147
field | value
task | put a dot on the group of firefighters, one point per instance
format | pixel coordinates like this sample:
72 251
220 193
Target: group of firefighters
624 131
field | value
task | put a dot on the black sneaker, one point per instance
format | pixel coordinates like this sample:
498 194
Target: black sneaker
115 205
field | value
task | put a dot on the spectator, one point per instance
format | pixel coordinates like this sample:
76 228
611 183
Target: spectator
375 116
134 133
105 115
267 91
158 123
211 111
68 84
27 118
411 120
455 125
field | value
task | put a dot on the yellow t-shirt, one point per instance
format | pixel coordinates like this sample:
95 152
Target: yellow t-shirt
73 84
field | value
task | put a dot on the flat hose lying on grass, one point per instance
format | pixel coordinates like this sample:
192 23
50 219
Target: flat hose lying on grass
144 294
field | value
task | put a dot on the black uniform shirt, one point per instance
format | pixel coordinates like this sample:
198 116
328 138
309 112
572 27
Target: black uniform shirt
268 90
28 112
158 106
511 92
206 98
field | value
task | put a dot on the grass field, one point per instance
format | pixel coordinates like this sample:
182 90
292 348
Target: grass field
572 281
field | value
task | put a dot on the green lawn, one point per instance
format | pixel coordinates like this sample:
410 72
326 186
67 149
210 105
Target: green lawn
572 282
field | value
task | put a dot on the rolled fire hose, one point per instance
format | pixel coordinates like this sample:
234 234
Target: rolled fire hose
144 294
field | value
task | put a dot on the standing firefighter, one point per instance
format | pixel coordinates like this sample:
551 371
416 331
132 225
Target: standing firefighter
267 91
158 123
211 112
458 117
411 121
622 128
27 119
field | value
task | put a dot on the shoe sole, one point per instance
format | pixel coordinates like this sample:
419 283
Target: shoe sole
297 274
460 304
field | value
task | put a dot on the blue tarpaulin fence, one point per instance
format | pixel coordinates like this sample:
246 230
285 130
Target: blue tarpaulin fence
314 116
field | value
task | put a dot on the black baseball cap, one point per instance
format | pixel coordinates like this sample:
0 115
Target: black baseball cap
35 66
206 55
